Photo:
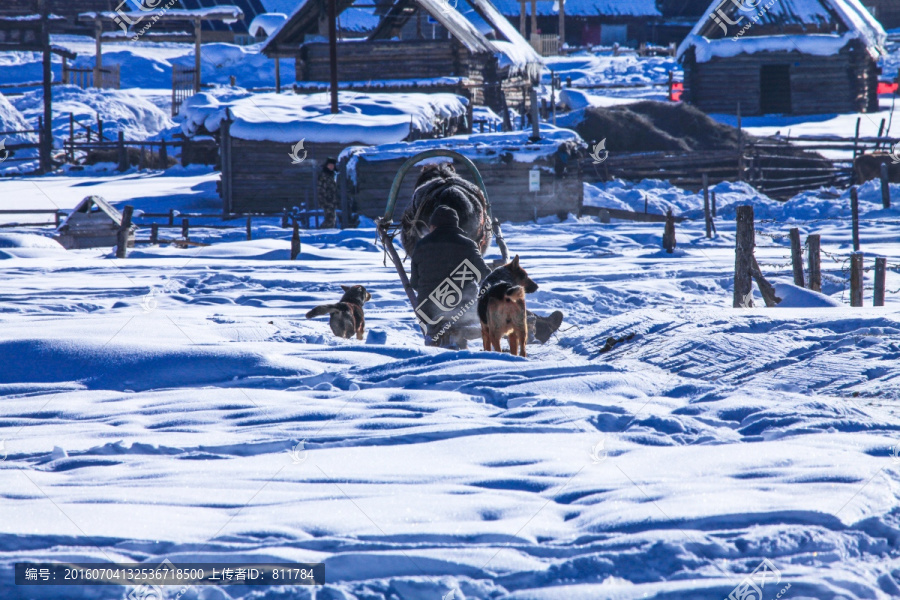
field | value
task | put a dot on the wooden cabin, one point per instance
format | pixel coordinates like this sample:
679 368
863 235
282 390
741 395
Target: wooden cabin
789 57
93 224
525 179
272 147
490 62
587 22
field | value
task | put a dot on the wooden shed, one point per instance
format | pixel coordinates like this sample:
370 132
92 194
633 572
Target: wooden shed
783 57
272 146
94 223
524 179
489 61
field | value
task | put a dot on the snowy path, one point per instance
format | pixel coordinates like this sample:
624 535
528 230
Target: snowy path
669 467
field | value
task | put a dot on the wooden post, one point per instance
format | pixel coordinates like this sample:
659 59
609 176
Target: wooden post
227 162
856 140
277 75
57 216
47 90
713 196
154 233
332 53
535 116
124 230
856 279
854 210
98 51
345 198
604 216
740 144
880 277
706 211
743 257
522 18
534 27
295 240
163 156
171 217
142 163
197 37
813 243
885 186
562 25
123 152
284 219
71 138
797 257
765 288
185 227
99 129
232 80
669 233
249 228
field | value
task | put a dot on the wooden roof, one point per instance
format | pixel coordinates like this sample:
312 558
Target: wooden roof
90 201
305 21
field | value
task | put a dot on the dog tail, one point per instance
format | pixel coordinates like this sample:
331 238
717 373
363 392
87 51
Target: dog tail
325 309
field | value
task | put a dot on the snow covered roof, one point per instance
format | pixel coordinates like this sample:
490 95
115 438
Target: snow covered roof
483 146
225 13
266 23
584 8
92 204
819 27
363 118
513 49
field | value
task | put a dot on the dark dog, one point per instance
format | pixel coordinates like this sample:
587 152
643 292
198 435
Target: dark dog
504 316
499 285
347 316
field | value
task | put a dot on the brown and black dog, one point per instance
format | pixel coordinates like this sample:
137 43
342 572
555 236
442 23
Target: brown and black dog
347 316
501 307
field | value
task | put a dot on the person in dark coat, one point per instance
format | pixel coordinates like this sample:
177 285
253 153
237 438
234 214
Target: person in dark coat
446 270
328 193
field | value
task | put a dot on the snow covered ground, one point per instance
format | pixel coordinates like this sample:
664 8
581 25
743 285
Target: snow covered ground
149 405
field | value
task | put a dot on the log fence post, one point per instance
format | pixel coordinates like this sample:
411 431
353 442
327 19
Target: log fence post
854 210
813 250
797 257
123 152
743 255
295 240
124 230
163 156
880 276
885 186
669 233
185 229
856 279
707 215
249 228
154 233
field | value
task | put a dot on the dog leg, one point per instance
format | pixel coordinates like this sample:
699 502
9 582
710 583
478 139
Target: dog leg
359 334
495 341
513 343
485 337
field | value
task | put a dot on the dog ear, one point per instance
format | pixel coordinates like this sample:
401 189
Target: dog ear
515 261
346 288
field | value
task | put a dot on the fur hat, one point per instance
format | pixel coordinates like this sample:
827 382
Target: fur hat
444 216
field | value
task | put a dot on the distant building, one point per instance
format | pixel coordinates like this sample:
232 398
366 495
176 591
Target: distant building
589 22
783 57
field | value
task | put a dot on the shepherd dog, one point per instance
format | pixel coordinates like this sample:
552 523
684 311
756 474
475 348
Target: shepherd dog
501 307
347 316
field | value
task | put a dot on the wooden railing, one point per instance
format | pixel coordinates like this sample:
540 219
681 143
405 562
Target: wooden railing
546 44
183 85
86 77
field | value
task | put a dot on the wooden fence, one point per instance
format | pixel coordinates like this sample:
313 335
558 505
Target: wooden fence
109 77
183 85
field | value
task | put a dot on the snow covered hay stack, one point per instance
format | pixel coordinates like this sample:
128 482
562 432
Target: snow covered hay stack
524 179
272 147
471 50
783 57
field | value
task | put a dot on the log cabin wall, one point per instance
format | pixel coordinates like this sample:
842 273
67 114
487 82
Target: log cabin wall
506 182
263 178
366 61
841 83
487 83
